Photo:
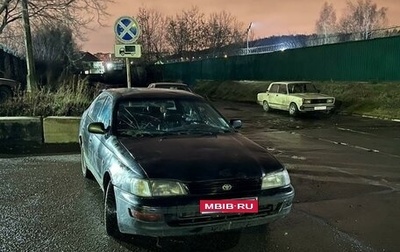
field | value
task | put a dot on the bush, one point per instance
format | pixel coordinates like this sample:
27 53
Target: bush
71 99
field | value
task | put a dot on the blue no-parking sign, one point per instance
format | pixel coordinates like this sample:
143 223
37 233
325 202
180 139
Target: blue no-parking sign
126 30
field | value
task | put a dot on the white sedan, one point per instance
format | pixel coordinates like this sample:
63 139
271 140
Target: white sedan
295 97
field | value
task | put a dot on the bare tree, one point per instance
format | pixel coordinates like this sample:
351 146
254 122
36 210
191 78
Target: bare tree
223 29
185 32
176 35
191 32
196 25
55 51
326 24
363 17
152 37
76 14
13 38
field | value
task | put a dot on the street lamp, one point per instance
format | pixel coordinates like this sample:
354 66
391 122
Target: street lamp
248 34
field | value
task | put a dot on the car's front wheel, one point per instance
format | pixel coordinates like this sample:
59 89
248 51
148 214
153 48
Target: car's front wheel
266 106
293 110
110 212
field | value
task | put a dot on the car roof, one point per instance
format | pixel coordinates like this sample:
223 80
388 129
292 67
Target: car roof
121 93
290 82
9 82
168 84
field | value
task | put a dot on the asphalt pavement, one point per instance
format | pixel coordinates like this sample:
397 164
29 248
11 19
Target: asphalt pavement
346 172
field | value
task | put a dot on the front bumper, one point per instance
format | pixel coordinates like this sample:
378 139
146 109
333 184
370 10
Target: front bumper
316 107
181 216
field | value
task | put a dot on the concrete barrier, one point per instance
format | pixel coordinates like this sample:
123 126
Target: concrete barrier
58 129
14 129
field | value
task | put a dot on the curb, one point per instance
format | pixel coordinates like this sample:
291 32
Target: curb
370 116
380 118
47 130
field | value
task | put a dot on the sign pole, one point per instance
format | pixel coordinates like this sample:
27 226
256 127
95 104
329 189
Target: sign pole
128 72
127 31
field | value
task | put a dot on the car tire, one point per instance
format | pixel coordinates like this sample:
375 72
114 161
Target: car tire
85 171
110 212
293 110
5 93
266 106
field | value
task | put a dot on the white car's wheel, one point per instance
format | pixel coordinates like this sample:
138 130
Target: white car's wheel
266 106
293 110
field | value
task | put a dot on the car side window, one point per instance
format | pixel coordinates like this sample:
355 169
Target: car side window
274 88
105 114
282 89
96 107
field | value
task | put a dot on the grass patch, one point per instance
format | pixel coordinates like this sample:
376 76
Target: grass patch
373 99
70 99
75 95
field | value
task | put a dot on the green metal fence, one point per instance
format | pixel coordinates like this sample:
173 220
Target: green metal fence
368 60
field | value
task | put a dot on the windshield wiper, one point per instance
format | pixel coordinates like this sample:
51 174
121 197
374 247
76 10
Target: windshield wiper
137 134
198 130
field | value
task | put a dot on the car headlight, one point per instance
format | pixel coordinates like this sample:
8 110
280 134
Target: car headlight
306 101
140 187
167 188
151 188
276 179
329 100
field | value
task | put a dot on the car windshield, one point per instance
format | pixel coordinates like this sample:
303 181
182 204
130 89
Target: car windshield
160 117
302 88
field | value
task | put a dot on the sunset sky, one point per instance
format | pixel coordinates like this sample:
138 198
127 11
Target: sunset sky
270 17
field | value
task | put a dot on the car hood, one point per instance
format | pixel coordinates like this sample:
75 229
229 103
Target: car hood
201 158
312 96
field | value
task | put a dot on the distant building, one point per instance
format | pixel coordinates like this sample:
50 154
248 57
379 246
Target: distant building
104 56
91 64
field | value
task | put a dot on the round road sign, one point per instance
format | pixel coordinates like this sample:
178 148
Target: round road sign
126 30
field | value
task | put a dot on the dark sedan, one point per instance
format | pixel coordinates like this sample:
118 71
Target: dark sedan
170 85
7 88
170 164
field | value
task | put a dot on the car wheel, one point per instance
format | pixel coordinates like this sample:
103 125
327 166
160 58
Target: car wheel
293 110
85 172
266 106
5 93
110 212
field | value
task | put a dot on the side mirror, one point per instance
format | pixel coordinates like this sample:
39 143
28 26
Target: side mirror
236 123
97 128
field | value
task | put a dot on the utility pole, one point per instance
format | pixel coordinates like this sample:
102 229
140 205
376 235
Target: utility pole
247 40
30 64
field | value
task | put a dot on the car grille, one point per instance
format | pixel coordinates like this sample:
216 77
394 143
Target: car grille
316 101
215 187
199 219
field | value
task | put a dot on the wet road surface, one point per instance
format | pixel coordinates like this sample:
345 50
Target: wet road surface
345 171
